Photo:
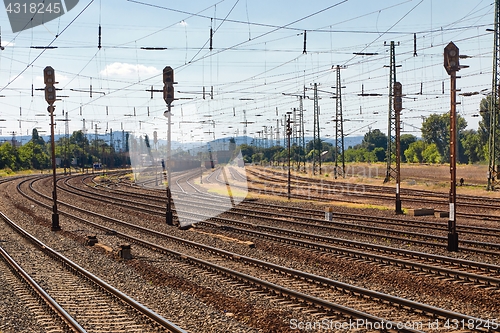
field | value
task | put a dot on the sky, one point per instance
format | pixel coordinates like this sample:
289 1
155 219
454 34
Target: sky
264 54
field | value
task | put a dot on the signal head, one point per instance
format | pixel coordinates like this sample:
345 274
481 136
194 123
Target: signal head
49 76
168 75
451 58
50 94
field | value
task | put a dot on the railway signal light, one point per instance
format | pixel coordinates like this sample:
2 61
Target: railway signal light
398 96
168 94
168 84
452 65
49 79
451 58
168 75
398 106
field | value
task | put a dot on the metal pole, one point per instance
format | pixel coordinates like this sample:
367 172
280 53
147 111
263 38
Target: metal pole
288 133
302 131
55 215
169 215
397 91
452 225
390 138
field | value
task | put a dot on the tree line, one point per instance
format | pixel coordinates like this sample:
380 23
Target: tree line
432 147
76 151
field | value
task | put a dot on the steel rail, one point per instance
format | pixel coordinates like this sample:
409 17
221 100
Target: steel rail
474 230
430 310
104 285
373 188
42 294
307 221
465 276
156 210
385 260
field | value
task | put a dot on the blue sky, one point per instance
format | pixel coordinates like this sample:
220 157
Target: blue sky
257 57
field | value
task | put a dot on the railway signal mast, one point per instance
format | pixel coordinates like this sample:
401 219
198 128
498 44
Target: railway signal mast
398 106
452 66
289 132
168 96
49 79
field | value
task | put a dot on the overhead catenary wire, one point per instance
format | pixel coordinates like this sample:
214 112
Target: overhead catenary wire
123 87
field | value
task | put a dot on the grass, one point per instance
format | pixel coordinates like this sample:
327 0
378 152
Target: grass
358 205
8 172
222 190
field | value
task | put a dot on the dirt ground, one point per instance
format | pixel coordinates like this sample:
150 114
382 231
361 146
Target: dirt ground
418 176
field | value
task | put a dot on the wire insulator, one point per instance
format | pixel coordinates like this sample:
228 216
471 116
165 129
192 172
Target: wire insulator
414 45
211 35
305 42
99 41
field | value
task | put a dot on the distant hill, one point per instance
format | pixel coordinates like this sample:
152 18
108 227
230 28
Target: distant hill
217 144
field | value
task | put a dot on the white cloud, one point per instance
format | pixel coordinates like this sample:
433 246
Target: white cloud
128 70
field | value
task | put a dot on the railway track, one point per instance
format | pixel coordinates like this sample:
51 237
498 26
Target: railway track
482 275
82 301
326 190
48 313
473 201
300 212
309 290
411 233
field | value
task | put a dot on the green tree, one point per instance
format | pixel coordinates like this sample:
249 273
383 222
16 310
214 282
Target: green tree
257 157
472 146
414 152
431 154
379 153
79 144
247 151
484 123
436 129
374 139
405 141
324 145
33 156
9 157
